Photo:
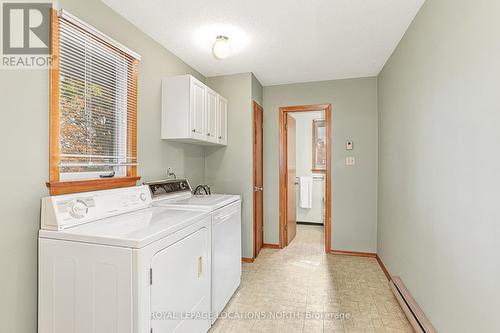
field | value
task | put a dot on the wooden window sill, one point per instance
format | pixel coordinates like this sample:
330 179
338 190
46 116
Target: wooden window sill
76 186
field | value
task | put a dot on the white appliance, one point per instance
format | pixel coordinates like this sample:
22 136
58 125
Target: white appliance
226 233
109 262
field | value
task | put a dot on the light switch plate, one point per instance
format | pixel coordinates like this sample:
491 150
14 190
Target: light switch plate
350 160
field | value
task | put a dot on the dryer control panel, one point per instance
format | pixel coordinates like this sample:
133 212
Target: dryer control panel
162 188
64 211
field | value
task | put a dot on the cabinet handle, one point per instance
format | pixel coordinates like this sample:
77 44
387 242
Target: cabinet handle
220 137
208 134
193 130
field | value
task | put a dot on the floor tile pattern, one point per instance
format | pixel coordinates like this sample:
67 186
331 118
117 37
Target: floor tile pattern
301 289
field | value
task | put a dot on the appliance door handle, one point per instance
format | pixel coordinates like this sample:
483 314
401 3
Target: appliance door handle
225 217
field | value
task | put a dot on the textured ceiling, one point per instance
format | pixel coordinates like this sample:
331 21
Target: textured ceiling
280 41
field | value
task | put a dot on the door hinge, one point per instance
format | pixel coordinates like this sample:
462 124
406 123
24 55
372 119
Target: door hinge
151 278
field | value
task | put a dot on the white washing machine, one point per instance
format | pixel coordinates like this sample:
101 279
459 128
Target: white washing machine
109 262
225 210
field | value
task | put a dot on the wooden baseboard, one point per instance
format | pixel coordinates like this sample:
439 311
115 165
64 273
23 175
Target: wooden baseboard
248 260
381 264
354 253
270 246
366 255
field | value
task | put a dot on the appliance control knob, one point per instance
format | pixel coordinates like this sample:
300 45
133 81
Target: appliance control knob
142 196
182 186
78 209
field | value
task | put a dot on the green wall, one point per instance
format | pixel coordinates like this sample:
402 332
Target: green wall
439 180
230 169
354 189
257 91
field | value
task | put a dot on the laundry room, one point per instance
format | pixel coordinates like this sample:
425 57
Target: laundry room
264 166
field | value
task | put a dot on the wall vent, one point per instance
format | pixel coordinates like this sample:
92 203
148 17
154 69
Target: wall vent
412 310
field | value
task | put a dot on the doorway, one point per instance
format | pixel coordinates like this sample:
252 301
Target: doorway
258 179
320 165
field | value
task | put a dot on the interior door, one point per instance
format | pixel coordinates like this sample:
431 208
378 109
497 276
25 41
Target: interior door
291 174
211 119
222 120
197 108
180 283
258 167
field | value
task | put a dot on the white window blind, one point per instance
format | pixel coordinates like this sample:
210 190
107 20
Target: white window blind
97 99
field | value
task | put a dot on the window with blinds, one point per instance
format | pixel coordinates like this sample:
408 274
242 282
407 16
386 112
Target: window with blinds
97 104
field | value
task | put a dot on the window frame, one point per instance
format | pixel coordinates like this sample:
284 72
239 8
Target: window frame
56 185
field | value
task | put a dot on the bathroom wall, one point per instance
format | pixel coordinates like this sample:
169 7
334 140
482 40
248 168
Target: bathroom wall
304 151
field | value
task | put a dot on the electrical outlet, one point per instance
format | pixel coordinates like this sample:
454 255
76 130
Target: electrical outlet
171 173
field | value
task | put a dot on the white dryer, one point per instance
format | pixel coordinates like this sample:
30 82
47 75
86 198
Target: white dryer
225 210
109 262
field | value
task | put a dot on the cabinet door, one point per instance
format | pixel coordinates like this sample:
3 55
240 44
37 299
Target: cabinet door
222 121
180 284
197 109
211 115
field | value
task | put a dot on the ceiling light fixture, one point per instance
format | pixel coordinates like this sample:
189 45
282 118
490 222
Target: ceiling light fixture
221 48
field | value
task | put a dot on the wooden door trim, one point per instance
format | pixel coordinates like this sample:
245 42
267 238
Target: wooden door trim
283 111
255 252
290 126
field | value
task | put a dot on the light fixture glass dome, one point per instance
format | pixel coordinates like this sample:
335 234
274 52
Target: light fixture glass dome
221 48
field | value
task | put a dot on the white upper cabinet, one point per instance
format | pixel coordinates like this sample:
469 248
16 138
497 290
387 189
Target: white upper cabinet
222 121
197 109
191 112
211 119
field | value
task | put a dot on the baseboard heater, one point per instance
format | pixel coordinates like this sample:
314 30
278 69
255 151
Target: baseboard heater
412 310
